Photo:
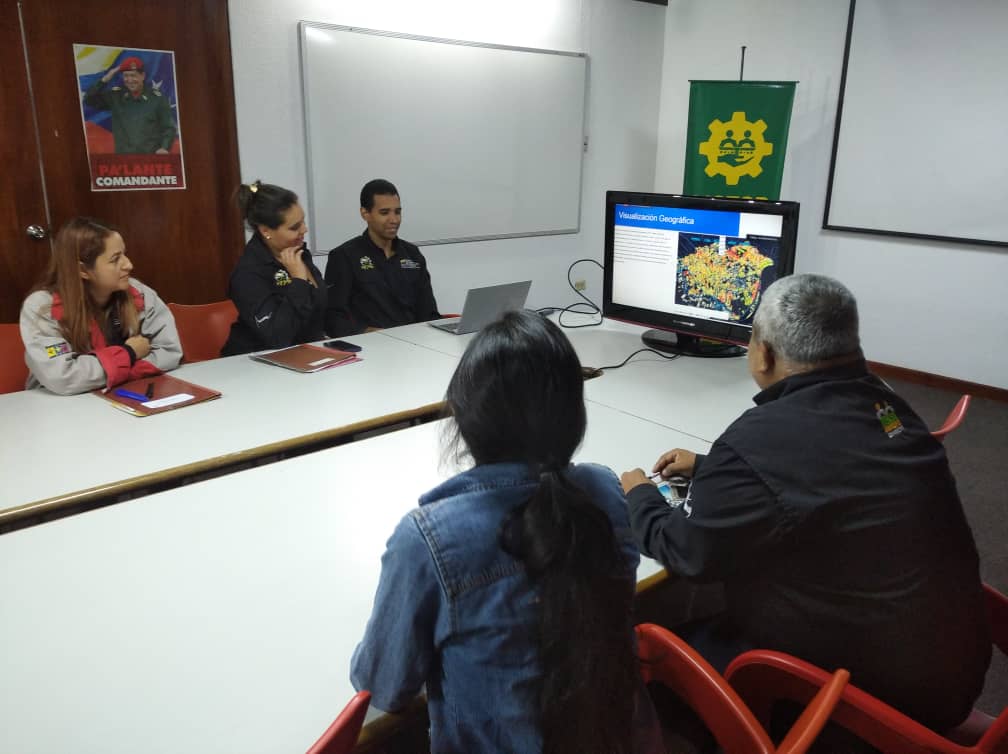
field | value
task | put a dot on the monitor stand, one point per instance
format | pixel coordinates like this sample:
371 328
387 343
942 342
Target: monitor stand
689 345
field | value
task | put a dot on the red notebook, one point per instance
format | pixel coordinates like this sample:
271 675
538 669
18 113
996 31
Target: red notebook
306 358
155 395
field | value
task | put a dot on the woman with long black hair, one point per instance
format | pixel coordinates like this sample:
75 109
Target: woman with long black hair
508 591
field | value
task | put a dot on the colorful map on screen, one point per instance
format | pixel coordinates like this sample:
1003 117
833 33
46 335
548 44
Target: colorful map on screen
729 279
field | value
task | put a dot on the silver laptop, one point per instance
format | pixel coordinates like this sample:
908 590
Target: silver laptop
484 305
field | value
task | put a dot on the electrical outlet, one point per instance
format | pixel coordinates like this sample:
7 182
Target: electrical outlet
580 285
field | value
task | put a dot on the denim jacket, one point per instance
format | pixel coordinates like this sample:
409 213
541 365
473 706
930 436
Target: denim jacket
455 612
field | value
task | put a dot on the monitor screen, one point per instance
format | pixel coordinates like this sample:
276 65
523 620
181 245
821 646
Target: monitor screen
693 266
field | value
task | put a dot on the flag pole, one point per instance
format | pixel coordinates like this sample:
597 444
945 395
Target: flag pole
741 64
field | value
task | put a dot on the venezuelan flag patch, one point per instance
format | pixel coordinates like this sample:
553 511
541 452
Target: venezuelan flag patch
58 349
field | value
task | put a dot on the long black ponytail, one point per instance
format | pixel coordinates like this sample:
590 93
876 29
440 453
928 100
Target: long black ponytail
518 395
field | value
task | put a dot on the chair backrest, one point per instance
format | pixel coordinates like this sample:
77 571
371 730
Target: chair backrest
955 417
203 328
670 661
997 615
762 678
13 370
341 736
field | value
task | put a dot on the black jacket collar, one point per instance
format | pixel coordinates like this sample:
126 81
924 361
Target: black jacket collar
850 370
397 248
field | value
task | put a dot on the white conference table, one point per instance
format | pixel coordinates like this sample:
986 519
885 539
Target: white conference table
221 616
58 450
696 396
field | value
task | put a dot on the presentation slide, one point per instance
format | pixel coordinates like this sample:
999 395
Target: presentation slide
696 263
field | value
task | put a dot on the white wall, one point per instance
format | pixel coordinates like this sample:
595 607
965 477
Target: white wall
935 307
623 39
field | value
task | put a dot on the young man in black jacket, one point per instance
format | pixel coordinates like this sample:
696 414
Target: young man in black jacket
377 280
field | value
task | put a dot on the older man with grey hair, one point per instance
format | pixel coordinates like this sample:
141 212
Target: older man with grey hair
830 513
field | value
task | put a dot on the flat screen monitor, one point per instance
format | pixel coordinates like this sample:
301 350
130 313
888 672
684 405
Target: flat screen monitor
693 268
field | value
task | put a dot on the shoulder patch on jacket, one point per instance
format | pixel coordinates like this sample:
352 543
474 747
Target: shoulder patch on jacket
57 349
891 424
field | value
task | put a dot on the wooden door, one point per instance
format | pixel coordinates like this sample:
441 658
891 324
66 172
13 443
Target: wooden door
22 203
184 243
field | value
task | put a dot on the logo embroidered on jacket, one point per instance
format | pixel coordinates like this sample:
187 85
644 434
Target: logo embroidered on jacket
260 320
57 349
366 263
281 278
409 264
887 416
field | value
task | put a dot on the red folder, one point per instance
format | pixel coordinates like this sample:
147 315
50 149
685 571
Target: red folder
160 394
306 358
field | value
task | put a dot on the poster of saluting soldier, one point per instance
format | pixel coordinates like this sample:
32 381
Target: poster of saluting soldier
129 107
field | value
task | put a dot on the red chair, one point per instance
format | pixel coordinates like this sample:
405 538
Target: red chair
203 328
955 417
341 736
13 370
762 678
670 661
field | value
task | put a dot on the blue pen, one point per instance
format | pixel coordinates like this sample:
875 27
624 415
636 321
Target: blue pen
131 395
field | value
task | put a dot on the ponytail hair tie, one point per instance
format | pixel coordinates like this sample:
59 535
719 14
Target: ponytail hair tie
546 475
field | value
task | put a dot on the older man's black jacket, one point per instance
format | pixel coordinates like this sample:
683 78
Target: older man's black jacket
831 515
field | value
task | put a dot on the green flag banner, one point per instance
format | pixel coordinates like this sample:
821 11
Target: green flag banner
736 138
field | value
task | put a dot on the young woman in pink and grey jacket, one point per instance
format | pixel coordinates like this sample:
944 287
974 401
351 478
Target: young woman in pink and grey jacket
89 324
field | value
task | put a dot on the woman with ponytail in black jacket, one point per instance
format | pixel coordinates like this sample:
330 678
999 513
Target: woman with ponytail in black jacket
509 590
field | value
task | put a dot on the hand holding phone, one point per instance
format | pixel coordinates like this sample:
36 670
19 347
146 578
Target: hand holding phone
673 489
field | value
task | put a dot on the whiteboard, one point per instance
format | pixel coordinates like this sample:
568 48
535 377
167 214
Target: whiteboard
920 137
482 141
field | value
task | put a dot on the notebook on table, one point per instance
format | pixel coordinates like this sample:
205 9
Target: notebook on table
306 358
484 305
155 395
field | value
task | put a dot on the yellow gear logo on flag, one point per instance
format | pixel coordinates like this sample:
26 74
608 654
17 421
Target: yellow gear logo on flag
735 148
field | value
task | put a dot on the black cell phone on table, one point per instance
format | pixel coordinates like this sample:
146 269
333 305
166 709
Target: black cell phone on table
342 345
